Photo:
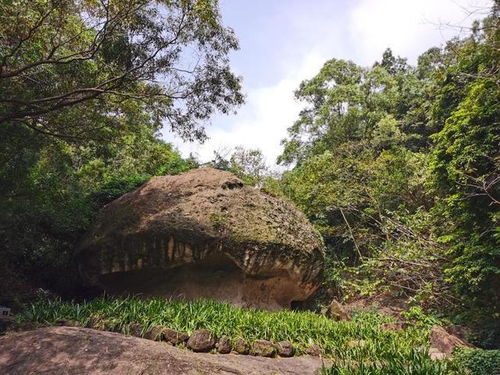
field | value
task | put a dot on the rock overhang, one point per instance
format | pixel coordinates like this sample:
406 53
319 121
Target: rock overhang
182 224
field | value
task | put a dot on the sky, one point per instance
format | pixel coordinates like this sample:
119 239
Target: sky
283 42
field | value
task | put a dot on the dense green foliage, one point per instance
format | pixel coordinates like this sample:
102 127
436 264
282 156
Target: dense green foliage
480 362
59 189
85 87
465 164
418 365
398 167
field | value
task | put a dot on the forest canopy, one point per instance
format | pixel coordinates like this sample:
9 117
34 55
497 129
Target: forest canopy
398 166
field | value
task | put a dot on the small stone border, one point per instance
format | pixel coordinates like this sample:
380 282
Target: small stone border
204 341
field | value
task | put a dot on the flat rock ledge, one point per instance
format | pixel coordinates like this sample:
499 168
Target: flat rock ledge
75 350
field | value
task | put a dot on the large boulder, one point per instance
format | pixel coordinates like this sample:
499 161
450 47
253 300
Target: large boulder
203 234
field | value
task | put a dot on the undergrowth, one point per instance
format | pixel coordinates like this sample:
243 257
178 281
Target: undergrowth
419 364
359 346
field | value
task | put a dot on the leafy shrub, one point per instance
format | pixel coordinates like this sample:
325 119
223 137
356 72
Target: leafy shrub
479 362
416 315
116 187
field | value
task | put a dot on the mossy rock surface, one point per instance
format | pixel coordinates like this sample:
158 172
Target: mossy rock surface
205 218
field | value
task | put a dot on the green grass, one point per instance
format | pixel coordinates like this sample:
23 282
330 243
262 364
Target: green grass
418 365
359 346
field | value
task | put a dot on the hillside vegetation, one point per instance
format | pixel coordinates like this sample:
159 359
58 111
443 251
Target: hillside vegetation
396 165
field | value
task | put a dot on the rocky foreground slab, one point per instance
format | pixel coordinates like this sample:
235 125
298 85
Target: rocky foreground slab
69 350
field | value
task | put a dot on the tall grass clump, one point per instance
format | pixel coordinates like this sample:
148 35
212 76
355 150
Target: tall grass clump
360 338
418 363
357 347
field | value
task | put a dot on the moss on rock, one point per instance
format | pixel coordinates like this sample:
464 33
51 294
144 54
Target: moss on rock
172 221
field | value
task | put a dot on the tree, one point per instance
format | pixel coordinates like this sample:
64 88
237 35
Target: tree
398 167
170 56
249 164
466 164
345 103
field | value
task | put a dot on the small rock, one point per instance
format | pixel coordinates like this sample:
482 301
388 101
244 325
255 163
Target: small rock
336 311
201 340
155 333
241 346
443 343
285 349
224 345
263 348
173 337
314 350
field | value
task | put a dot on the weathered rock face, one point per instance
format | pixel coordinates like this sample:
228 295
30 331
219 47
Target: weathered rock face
443 343
65 350
203 234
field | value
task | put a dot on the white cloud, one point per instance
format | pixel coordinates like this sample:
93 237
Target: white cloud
360 33
409 27
263 120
